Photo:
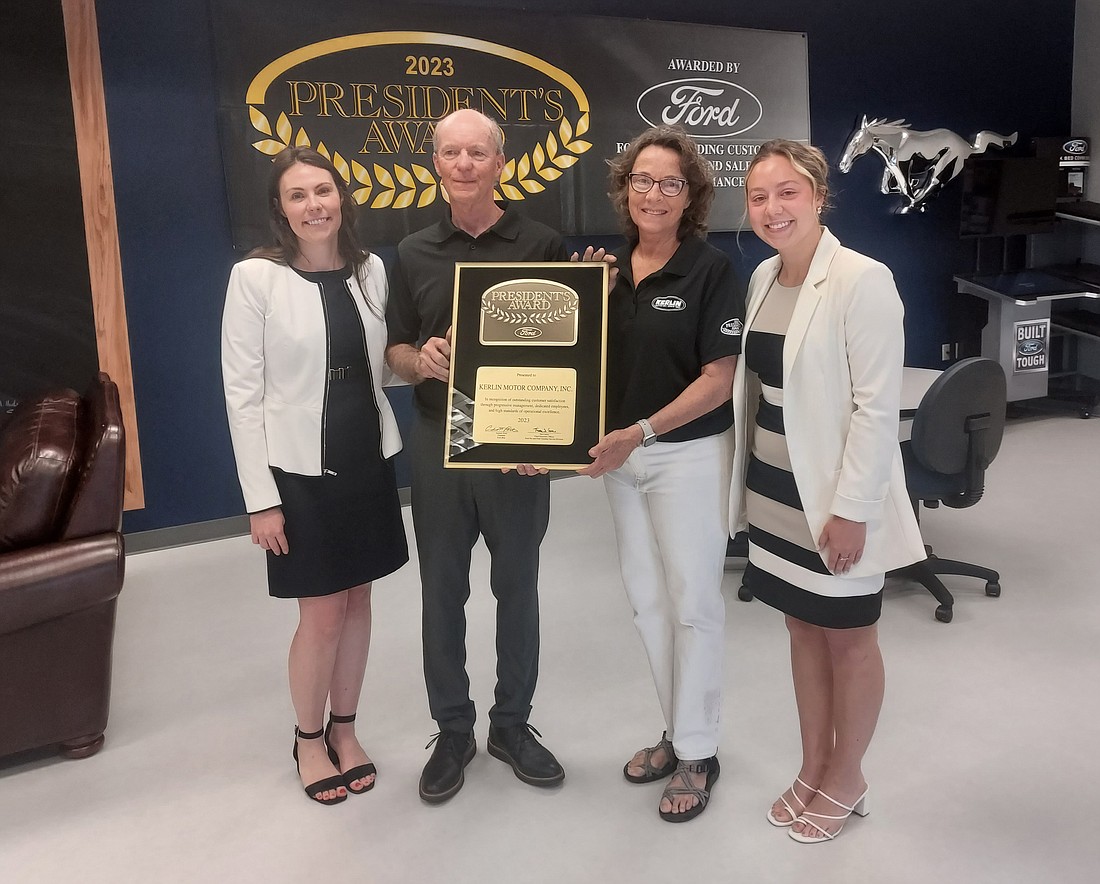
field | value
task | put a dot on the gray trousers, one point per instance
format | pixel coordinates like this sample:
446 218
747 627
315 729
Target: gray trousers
450 508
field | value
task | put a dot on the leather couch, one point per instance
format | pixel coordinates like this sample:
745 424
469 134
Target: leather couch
62 561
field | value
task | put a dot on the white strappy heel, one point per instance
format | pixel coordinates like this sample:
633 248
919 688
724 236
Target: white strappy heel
775 821
859 808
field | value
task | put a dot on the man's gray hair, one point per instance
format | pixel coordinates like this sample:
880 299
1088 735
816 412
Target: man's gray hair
495 132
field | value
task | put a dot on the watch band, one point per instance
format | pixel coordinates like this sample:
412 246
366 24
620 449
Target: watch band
648 436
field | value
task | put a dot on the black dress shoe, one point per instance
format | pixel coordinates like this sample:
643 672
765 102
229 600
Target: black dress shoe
443 774
532 762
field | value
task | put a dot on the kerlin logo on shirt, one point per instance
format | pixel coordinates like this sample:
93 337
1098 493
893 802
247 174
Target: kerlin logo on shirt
731 327
669 305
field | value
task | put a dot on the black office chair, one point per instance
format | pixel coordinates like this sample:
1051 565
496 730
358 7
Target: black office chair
957 432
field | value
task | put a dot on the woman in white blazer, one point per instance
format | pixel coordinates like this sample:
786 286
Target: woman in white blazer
303 339
818 478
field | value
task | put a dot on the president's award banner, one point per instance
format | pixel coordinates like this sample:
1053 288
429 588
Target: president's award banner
365 84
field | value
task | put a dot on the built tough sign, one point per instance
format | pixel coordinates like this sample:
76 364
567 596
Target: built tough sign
365 84
1032 345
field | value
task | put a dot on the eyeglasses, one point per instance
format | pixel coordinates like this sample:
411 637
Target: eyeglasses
643 183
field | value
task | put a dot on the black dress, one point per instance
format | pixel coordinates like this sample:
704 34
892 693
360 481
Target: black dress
343 528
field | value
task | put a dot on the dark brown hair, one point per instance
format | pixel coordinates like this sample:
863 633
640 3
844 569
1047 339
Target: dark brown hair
697 171
284 249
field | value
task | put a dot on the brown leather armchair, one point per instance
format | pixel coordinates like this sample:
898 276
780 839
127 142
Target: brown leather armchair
62 560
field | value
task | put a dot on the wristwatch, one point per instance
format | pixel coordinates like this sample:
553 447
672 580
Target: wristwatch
648 436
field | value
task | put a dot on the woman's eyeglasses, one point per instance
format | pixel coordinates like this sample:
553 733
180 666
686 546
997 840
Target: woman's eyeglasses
642 183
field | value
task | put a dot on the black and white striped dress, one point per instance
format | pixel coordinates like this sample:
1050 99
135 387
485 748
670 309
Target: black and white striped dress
785 569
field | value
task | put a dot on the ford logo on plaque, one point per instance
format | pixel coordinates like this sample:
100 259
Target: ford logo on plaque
1076 146
918 163
704 108
1029 348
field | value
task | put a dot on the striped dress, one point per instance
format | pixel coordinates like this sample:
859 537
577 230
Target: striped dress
785 569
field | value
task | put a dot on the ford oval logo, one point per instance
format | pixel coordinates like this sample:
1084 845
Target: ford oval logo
1029 348
528 332
705 108
1077 145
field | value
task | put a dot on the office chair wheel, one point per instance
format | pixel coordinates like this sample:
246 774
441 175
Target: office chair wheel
944 613
744 593
993 589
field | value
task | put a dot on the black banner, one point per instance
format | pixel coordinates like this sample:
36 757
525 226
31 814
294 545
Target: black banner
365 85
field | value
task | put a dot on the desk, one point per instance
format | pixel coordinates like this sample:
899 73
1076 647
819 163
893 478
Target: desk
1019 307
914 384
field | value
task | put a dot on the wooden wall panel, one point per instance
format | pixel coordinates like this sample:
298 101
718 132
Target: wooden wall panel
101 228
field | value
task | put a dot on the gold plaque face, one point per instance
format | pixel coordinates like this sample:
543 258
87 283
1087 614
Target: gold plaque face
525 406
532 312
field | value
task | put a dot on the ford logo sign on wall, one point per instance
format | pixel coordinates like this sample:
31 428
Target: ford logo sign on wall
705 108
1029 348
1077 145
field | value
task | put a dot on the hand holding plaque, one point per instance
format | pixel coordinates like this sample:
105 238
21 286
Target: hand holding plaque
528 357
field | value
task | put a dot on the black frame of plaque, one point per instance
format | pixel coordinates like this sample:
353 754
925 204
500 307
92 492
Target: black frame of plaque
588 356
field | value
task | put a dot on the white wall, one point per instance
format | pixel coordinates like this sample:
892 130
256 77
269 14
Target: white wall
1085 120
1085 113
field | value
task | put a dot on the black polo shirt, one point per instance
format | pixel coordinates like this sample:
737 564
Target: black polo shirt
662 332
421 297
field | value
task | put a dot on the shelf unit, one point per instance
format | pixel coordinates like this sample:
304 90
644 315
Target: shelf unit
1044 293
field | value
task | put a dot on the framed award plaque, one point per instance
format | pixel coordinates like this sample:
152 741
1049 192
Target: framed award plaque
528 365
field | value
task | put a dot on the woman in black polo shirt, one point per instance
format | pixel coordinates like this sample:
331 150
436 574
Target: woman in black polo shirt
674 334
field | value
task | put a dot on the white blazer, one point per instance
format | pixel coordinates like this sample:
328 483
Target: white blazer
275 367
842 366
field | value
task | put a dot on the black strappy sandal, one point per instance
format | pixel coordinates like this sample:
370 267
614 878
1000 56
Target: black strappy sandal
321 786
710 767
652 774
356 773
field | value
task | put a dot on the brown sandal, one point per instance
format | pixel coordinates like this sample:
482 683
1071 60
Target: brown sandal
710 767
652 774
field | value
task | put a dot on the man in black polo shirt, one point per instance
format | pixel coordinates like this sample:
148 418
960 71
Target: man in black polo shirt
452 507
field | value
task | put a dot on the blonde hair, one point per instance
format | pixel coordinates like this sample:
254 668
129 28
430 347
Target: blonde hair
808 161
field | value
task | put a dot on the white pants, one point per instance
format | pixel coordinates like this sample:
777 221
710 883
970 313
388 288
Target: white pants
670 507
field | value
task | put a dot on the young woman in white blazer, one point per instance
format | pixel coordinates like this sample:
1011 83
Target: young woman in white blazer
817 474
303 338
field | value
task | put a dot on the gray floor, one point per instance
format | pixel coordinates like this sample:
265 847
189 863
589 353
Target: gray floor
984 768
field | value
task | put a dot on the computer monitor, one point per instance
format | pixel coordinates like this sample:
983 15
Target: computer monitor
1008 195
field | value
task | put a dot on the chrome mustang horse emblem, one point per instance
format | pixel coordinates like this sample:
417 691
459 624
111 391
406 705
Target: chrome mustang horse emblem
917 163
